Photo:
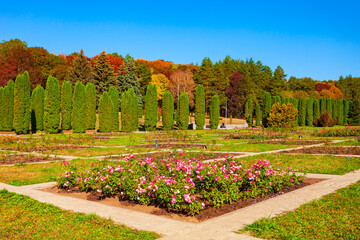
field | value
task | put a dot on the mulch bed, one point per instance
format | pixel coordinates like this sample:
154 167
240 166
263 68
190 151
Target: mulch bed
171 145
327 150
205 214
46 148
22 158
288 142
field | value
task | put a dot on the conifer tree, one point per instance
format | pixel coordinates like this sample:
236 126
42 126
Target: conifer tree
129 114
90 106
78 118
80 70
105 110
354 113
129 79
302 112
66 105
144 73
200 107
8 110
346 110
22 115
340 108
115 98
258 114
276 99
37 108
335 109
3 105
309 112
103 73
329 106
249 109
150 108
316 109
52 106
214 112
183 115
168 111
278 82
266 108
322 105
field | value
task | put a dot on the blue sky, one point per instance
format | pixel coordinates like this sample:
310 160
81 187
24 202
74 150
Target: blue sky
318 39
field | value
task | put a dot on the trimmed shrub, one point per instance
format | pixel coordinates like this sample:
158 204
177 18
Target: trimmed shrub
90 106
37 108
168 111
309 112
322 105
214 112
129 112
105 110
66 105
52 106
325 120
22 115
283 116
302 112
200 107
8 107
346 107
316 109
183 106
150 108
266 108
78 118
115 98
354 113
258 114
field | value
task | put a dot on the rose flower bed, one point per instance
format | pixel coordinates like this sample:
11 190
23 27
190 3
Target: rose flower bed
255 135
184 186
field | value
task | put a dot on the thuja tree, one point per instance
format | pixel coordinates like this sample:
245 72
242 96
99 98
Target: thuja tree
302 112
115 98
309 112
8 108
335 109
129 113
249 109
316 109
214 112
22 116
200 107
183 107
168 110
266 108
258 114
150 108
295 102
3 104
66 105
37 108
340 107
346 105
354 113
105 110
322 105
329 106
52 106
78 118
276 99
90 106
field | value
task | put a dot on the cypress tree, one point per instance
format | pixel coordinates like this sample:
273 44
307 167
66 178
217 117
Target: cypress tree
322 105
276 99
309 112
105 110
150 108
78 118
249 109
3 105
200 107
346 110
134 100
168 110
258 114
302 112
66 105
335 112
90 106
316 109
115 98
8 110
129 113
340 112
266 108
52 106
354 113
329 106
80 70
295 102
37 108
183 116
215 112
22 115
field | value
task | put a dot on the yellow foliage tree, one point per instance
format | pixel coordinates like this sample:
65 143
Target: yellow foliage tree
162 84
282 116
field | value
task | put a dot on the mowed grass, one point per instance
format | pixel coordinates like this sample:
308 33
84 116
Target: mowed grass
248 147
24 218
324 164
97 151
348 143
335 216
25 174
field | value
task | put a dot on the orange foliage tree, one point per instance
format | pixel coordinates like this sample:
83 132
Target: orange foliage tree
182 81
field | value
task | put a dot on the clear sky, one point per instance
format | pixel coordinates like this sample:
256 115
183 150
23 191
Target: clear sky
318 39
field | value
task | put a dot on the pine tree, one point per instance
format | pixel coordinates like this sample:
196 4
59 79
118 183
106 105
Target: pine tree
103 73
105 110
8 108
115 98
78 118
354 113
309 112
302 112
150 108
37 108
278 82
66 105
90 106
168 111
258 114
80 70
200 107
129 79
52 106
144 73
316 109
214 112
266 108
346 110
22 115
183 115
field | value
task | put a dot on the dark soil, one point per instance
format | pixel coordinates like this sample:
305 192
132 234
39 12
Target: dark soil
171 145
45 148
288 142
22 158
205 214
328 150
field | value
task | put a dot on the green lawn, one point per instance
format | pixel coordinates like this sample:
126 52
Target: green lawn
348 143
96 151
335 216
24 218
231 147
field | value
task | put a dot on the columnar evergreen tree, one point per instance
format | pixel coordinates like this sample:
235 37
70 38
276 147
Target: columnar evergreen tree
129 79
66 105
214 112
52 106
103 73
78 118
322 105
295 102
316 109
335 110
115 98
183 113
129 115
340 107
249 109
150 108
22 115
329 106
302 112
266 108
200 107
354 113
346 110
309 112
37 108
105 110
276 99
8 110
3 105
80 70
168 110
258 114
90 106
